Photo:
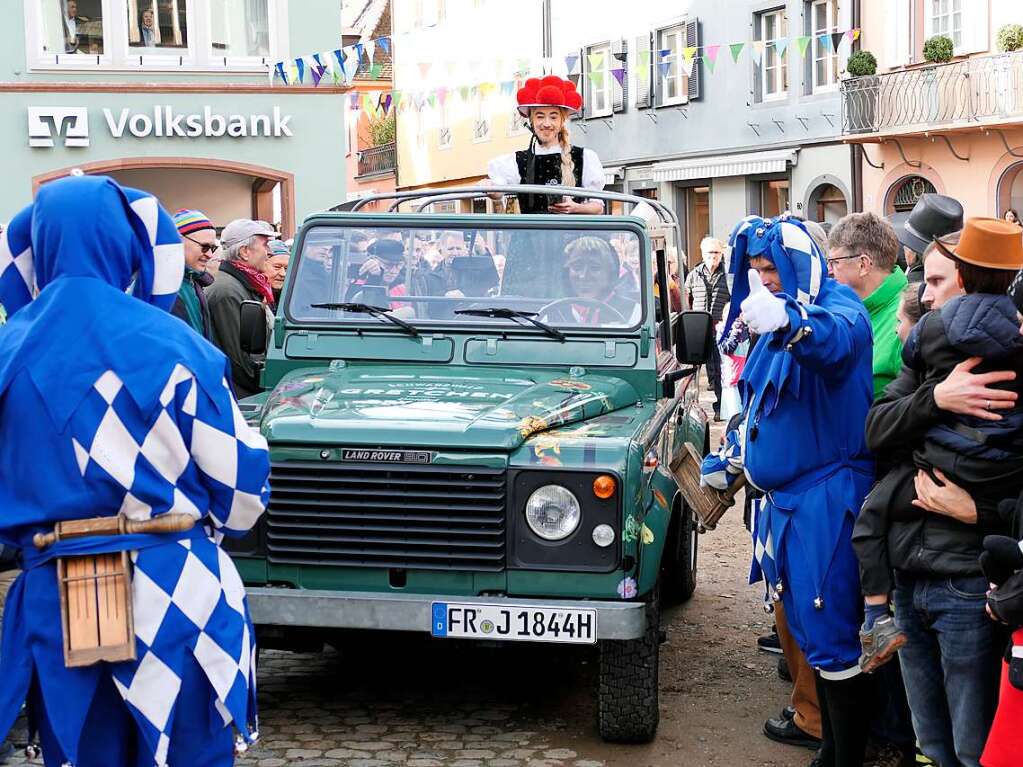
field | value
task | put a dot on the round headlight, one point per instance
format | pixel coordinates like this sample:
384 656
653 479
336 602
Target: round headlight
552 512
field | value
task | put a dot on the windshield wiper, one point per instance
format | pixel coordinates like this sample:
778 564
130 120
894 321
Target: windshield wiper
504 313
375 311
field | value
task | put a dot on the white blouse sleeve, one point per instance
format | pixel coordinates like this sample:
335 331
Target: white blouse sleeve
593 171
504 170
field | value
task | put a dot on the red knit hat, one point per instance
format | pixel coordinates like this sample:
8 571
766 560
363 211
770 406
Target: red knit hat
550 91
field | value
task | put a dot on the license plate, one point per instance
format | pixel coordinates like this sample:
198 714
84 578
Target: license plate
516 623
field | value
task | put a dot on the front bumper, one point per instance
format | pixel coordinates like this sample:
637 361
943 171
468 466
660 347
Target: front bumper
413 612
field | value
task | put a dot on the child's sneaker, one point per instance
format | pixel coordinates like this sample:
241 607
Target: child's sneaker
880 643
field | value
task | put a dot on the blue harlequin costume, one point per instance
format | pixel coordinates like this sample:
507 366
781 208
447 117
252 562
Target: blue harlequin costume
109 405
805 393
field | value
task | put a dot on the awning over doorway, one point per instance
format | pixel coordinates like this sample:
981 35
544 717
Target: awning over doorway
613 174
775 161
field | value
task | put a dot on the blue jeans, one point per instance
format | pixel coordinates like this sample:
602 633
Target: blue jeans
950 664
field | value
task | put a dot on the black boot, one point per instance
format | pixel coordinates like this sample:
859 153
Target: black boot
845 719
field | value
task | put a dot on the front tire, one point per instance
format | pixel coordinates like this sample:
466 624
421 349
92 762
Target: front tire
627 698
678 570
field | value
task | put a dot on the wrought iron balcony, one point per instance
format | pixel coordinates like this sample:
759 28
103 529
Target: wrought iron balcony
976 91
377 160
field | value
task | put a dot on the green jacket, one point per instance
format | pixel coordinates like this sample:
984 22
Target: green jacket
883 305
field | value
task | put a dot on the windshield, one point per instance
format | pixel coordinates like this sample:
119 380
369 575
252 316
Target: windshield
563 278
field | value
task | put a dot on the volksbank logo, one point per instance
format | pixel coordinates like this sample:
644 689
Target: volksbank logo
47 123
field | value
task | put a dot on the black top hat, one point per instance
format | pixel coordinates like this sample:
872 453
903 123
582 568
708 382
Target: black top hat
387 250
934 215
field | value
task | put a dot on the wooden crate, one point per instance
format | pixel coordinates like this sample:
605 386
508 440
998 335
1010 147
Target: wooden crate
96 608
708 504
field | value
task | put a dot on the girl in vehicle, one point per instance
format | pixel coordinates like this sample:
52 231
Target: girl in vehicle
550 160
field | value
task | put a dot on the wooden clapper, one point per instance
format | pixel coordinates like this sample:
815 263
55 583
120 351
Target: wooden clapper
707 503
95 589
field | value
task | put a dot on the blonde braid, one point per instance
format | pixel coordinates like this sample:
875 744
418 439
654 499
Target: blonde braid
567 163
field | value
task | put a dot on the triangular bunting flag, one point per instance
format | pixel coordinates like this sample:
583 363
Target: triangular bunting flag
281 73
825 40
596 61
664 52
736 49
432 100
507 87
597 78
396 100
450 67
358 55
442 95
619 75
665 67
836 39
687 66
300 63
464 93
424 69
340 57
803 43
317 73
272 74
757 49
711 52
689 53
375 70
368 105
370 47
856 35
709 63
780 46
571 61
385 43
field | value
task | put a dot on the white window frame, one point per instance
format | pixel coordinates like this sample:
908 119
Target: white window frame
481 119
119 56
942 16
444 129
591 89
674 61
780 67
820 52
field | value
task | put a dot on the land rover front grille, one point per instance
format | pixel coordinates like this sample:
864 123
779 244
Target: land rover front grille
371 515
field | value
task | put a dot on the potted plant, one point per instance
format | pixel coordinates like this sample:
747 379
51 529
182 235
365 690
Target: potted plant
939 49
860 92
1010 37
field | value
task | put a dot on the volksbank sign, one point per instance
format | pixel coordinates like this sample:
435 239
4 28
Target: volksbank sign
70 125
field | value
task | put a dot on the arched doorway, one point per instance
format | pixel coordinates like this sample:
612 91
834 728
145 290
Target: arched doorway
905 193
222 190
1010 189
827 204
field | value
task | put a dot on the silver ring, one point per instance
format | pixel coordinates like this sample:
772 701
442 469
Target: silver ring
989 404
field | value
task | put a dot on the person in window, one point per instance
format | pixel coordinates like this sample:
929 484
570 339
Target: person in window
73 35
597 292
147 29
381 276
550 160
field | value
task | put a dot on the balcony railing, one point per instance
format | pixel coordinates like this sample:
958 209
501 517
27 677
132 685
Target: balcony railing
377 160
985 89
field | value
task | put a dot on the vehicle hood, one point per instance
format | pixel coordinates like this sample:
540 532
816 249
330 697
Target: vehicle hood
377 406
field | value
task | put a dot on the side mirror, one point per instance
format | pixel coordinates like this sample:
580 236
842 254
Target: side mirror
694 338
253 329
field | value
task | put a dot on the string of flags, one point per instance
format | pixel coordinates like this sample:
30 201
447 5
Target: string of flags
340 66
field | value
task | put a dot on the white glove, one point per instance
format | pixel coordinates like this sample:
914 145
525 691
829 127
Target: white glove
762 310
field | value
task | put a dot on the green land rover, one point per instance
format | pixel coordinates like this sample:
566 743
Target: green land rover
471 424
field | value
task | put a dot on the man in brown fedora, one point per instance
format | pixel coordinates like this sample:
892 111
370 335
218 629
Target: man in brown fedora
926 519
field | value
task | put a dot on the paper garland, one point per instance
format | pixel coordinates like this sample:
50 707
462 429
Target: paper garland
343 64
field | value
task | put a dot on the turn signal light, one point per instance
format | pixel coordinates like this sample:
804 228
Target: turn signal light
604 486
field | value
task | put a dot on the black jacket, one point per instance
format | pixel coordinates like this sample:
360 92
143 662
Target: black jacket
225 298
905 429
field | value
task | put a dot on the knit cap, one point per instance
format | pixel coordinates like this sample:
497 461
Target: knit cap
188 221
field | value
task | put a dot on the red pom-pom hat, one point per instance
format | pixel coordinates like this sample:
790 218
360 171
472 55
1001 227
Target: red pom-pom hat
549 91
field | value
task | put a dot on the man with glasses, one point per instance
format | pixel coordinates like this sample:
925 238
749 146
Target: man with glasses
706 289
863 250
200 239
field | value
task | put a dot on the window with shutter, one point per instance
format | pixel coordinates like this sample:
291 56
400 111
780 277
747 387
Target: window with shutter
643 67
696 76
597 81
772 70
670 71
899 43
619 89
